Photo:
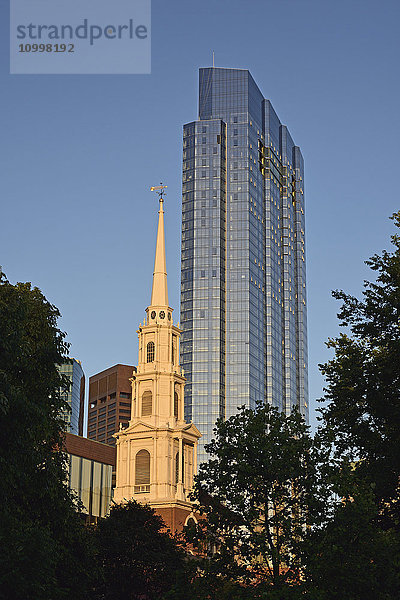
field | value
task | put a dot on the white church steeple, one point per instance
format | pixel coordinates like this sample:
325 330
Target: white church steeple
156 453
159 292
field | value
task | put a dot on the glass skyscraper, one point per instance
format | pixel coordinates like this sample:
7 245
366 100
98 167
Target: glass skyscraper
243 295
74 395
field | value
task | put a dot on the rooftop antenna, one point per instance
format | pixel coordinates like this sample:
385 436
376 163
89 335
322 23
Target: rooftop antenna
213 58
160 190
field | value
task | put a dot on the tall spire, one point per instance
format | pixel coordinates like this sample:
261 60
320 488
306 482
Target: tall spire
159 292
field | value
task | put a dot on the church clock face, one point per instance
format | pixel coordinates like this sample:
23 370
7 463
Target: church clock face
153 314
162 314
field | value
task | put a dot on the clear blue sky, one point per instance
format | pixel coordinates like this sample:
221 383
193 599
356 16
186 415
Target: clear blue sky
79 153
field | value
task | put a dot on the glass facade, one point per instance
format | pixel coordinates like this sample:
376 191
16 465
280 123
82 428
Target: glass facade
91 482
73 395
243 279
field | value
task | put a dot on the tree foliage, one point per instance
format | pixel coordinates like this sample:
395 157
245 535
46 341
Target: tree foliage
139 558
259 492
356 555
351 557
361 413
41 539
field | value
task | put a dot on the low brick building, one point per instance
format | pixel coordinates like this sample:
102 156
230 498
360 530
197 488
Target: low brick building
90 469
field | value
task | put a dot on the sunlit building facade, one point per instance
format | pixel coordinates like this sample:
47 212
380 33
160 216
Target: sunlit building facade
243 277
110 400
157 452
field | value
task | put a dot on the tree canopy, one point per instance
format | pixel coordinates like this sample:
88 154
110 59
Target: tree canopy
356 555
361 410
259 492
139 558
41 538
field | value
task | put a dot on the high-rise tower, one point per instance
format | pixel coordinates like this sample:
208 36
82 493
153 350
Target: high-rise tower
243 298
156 453
110 399
74 395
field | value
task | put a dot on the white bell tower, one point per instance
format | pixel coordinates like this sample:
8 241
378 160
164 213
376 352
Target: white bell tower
156 453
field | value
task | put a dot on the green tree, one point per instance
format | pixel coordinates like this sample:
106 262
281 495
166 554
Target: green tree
42 542
351 557
356 554
139 558
361 412
259 492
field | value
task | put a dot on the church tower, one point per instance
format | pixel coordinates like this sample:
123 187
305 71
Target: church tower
156 453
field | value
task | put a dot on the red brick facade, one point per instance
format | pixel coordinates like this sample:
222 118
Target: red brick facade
110 402
80 446
174 517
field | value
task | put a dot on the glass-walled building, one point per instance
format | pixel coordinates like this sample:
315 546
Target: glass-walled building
243 278
74 394
90 468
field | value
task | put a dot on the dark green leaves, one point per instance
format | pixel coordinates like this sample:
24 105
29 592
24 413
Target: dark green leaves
139 557
259 492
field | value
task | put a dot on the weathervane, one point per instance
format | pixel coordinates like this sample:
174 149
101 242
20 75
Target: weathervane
160 190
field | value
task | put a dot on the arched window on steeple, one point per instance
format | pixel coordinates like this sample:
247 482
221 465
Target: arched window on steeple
147 404
142 472
151 350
